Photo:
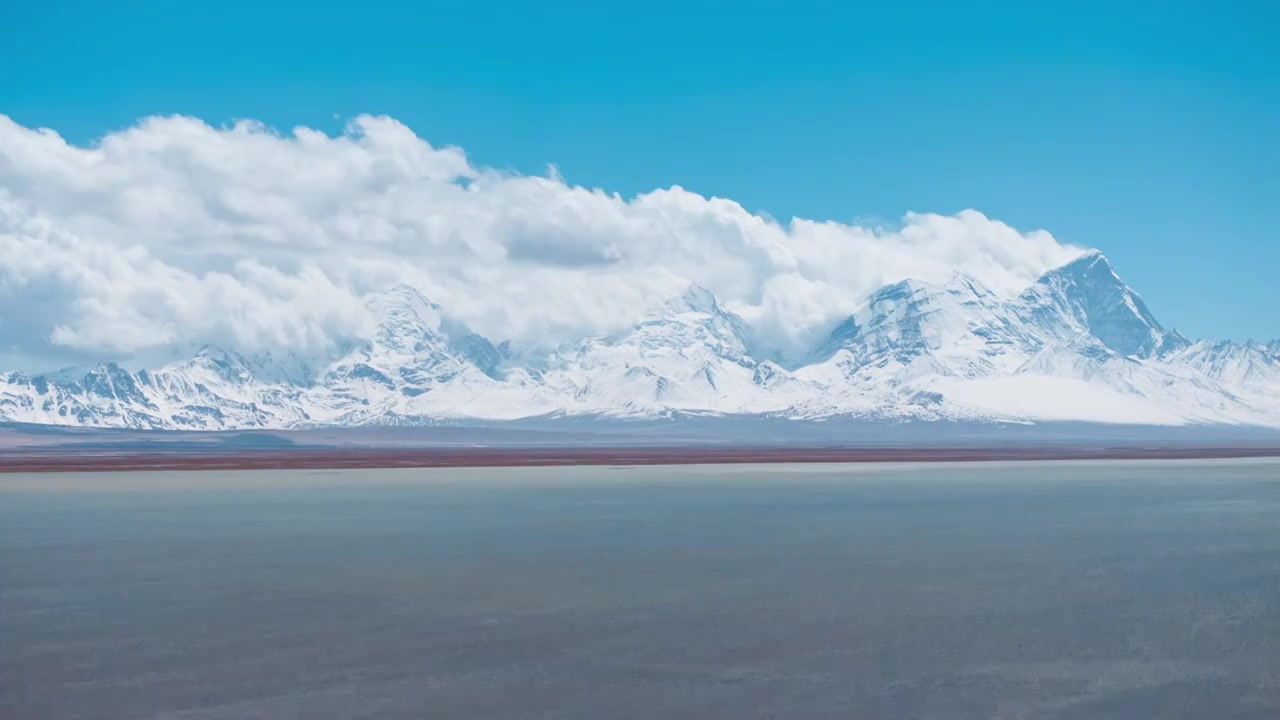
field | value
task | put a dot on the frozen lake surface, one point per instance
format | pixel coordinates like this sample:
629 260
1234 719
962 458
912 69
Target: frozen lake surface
1023 590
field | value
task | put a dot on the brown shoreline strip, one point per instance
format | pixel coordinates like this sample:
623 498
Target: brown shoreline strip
337 458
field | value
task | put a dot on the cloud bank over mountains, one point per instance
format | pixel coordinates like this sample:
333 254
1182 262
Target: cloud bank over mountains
172 233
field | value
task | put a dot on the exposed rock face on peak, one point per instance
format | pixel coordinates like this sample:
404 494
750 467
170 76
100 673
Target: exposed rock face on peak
1078 344
1087 296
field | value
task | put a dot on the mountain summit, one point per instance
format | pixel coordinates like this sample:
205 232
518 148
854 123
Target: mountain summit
1086 296
1078 344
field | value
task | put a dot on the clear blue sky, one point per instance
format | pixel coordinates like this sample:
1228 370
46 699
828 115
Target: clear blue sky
1148 129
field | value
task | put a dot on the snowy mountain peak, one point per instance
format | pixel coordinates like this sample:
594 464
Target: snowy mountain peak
405 301
228 366
1248 364
695 319
1090 271
1091 255
901 290
1087 296
963 284
208 351
927 295
405 319
1079 344
406 294
695 298
960 328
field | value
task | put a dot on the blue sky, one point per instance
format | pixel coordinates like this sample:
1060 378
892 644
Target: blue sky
1149 130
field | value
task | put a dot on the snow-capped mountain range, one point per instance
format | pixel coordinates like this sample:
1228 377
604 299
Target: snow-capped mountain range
1077 345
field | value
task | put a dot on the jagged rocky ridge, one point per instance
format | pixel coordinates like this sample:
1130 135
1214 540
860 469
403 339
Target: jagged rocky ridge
1078 344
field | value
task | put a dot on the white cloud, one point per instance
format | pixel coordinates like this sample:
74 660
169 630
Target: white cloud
173 232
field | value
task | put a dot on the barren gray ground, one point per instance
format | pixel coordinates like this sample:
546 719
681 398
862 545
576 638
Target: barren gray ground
1072 590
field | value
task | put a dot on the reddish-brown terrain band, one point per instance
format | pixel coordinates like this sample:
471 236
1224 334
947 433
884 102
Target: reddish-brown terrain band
82 461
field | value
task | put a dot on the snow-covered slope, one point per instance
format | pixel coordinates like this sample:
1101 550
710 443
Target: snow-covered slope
1078 344
1086 297
1249 365
690 355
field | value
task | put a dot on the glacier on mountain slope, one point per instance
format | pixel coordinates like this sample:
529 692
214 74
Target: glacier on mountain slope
1078 345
